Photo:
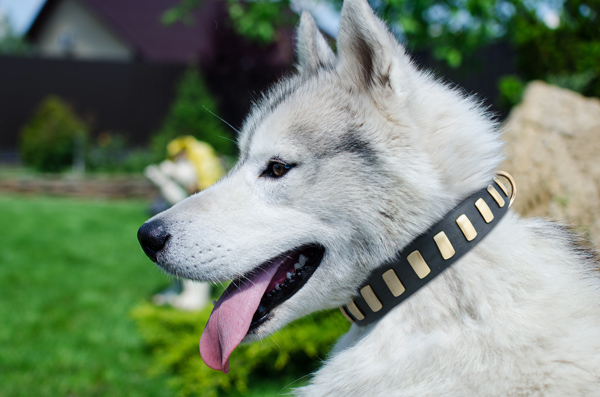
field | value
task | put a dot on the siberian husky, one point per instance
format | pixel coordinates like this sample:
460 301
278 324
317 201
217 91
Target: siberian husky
342 167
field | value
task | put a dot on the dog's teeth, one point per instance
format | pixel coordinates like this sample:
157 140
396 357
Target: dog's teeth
289 276
277 286
297 266
214 302
303 260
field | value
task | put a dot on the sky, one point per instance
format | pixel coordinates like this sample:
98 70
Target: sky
325 14
20 12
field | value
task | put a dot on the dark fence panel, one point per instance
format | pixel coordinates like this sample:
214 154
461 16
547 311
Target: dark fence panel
133 98
130 98
479 73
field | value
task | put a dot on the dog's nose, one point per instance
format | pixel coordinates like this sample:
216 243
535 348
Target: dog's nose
152 237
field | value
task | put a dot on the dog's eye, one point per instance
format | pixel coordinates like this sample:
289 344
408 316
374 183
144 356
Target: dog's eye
276 169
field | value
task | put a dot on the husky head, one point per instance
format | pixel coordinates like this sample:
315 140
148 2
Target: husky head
341 165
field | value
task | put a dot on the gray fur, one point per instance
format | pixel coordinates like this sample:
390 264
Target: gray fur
313 51
352 142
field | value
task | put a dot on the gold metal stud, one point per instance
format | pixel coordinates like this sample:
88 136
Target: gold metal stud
418 264
370 297
346 314
393 282
513 185
496 196
484 210
466 227
355 311
499 183
444 245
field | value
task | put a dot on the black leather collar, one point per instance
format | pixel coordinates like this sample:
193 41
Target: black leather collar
431 253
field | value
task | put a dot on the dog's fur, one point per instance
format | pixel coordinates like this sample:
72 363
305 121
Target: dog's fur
382 151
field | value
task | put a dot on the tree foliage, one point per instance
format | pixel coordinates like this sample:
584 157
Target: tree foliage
566 54
10 42
257 20
450 27
193 113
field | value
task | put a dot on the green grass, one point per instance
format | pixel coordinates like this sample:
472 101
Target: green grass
70 273
75 318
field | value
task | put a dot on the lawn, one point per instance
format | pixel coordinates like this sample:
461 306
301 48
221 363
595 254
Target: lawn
70 273
76 321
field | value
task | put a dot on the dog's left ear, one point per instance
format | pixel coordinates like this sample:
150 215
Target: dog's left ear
366 48
311 47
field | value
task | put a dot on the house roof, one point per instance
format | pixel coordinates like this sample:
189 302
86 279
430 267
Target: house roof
138 23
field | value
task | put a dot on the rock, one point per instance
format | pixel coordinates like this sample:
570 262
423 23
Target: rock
553 148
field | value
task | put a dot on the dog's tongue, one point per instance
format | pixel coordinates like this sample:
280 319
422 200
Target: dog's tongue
230 319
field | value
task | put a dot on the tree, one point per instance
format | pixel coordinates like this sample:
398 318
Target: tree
193 113
566 54
257 20
450 27
10 42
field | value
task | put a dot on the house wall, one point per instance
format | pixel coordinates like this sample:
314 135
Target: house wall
74 31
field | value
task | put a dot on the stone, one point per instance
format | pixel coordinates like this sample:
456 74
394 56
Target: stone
553 149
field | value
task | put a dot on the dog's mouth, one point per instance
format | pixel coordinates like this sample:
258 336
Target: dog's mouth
249 300
294 271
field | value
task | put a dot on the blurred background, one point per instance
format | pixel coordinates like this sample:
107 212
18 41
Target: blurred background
93 91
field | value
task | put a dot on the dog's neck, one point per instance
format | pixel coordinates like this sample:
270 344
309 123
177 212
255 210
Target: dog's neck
431 253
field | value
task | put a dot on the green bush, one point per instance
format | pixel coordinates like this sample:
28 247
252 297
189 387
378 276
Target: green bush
193 113
292 353
138 159
108 153
50 139
511 91
575 81
111 153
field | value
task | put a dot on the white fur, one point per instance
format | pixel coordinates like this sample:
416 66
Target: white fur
381 152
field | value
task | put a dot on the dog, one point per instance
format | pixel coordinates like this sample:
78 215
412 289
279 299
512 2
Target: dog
342 166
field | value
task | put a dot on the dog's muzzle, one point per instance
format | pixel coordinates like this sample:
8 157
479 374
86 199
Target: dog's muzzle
152 237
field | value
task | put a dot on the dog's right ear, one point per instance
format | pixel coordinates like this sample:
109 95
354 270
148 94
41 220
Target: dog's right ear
367 51
311 47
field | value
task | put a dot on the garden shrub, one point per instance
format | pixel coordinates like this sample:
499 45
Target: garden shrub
292 353
193 113
108 153
49 139
511 91
111 153
138 159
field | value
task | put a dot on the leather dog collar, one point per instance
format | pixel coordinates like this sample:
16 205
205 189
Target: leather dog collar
431 253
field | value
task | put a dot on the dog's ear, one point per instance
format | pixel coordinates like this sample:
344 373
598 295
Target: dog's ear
365 46
311 47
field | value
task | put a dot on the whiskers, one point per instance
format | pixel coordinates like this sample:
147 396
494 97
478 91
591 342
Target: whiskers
225 122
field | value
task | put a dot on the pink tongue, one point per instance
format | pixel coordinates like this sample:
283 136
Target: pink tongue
230 319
